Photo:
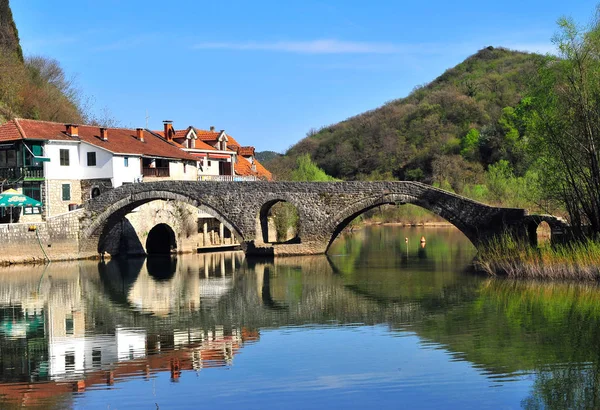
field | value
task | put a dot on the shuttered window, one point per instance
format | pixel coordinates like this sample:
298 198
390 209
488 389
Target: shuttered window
66 192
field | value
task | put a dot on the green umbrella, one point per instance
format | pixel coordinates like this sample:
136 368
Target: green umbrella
11 198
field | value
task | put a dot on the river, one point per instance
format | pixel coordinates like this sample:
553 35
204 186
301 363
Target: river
380 322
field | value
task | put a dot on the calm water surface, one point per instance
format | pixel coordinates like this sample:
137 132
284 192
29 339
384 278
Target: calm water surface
376 324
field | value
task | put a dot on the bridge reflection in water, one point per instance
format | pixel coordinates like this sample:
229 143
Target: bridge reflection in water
76 326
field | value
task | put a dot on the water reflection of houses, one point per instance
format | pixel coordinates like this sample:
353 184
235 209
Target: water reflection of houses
49 331
161 286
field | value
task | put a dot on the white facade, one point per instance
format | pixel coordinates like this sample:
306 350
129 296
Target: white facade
53 169
119 168
126 169
103 167
182 172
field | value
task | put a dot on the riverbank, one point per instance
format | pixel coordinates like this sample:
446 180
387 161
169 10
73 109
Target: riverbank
505 257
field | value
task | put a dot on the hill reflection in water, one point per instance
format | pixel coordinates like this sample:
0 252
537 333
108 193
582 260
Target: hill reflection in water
81 326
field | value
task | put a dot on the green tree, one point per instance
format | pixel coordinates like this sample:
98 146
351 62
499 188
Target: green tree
469 145
307 170
566 123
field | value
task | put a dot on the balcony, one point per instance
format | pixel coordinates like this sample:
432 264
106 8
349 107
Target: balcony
162 172
16 173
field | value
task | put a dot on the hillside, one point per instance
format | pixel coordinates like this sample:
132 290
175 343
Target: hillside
9 36
32 87
266 156
459 121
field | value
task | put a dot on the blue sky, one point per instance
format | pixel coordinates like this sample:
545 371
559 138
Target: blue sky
268 71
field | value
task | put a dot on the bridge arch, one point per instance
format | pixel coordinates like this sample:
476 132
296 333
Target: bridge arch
263 220
558 228
161 240
343 218
94 235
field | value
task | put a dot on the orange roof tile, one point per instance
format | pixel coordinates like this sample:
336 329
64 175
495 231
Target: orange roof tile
10 132
213 136
262 172
244 168
203 145
246 151
120 140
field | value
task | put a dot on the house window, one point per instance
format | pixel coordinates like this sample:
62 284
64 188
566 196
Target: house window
209 163
126 161
96 357
8 158
70 362
32 190
66 192
91 159
69 324
64 157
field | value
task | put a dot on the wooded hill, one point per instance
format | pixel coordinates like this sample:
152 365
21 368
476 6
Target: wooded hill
33 87
448 130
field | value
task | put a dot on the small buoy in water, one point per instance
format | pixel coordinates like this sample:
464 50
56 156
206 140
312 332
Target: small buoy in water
406 240
422 239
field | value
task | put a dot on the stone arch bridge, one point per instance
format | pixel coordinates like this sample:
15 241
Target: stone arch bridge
324 209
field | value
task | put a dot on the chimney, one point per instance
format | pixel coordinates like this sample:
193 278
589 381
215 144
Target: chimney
140 134
104 134
212 128
72 130
168 129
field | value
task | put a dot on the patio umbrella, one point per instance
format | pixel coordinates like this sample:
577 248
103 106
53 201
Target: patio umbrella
11 198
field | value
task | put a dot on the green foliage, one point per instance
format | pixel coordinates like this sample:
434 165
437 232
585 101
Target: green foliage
469 145
416 174
565 124
500 179
307 170
9 35
285 217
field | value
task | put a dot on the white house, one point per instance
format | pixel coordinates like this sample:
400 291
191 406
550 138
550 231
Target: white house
63 165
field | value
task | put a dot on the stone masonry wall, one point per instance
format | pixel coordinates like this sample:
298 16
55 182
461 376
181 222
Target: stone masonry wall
55 204
103 184
58 237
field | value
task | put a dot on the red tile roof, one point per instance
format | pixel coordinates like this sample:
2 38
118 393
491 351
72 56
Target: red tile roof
211 137
246 151
244 168
120 140
262 172
203 145
10 132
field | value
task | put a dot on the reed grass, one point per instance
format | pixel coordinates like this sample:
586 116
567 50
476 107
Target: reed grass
508 257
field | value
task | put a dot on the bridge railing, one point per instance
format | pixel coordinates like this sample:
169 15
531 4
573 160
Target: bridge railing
226 178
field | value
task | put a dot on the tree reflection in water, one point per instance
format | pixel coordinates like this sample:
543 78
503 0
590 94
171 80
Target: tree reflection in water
200 310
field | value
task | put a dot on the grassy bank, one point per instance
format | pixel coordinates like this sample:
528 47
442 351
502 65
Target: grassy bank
576 261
